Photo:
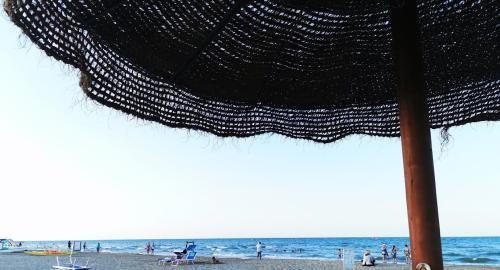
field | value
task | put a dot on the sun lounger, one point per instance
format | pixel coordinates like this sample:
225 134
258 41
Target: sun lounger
70 266
188 258
164 261
181 257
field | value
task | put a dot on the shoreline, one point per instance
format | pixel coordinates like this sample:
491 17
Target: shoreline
129 261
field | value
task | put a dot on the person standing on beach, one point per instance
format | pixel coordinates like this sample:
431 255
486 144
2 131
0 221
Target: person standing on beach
98 248
259 250
148 248
69 245
84 246
384 253
153 248
406 251
340 254
394 254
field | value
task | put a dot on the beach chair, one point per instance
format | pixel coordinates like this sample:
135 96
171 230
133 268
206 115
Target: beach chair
188 258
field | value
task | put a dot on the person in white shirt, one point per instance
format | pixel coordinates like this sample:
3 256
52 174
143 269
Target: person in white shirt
368 259
259 250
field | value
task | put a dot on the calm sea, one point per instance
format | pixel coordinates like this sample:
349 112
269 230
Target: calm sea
456 250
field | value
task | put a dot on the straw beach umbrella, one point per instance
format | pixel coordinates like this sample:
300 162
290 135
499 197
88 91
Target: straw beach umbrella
315 70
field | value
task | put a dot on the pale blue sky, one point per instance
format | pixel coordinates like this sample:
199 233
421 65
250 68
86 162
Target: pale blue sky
65 157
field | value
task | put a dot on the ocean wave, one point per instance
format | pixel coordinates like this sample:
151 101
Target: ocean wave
477 260
216 249
211 247
235 255
453 254
310 257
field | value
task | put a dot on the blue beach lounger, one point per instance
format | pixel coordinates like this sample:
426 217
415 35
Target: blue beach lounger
189 258
180 257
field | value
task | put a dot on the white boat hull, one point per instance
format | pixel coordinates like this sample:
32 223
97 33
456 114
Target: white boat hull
12 250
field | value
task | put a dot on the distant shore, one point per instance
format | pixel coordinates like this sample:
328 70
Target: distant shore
116 261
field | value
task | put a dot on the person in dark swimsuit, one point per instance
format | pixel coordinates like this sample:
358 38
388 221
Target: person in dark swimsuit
384 253
394 254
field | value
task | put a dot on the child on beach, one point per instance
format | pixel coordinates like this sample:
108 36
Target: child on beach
384 253
98 248
148 248
394 253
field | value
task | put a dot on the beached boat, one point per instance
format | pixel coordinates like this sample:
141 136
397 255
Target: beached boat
9 246
47 252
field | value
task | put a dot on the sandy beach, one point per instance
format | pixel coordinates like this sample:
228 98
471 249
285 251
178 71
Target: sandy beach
112 261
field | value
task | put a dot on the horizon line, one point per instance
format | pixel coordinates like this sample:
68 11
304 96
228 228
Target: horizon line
249 238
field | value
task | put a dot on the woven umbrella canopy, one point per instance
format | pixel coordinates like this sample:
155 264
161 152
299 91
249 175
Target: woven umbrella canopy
315 70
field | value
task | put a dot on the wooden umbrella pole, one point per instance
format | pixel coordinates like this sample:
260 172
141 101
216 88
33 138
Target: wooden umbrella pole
421 198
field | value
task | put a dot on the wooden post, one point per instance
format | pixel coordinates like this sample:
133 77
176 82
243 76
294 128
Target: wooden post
423 218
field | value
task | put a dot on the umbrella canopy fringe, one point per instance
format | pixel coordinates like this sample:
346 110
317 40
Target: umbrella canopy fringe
445 137
7 6
85 81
